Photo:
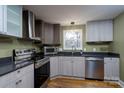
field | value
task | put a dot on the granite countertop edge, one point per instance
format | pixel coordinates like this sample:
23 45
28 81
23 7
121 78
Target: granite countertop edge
87 54
9 64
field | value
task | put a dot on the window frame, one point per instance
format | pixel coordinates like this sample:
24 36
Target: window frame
81 39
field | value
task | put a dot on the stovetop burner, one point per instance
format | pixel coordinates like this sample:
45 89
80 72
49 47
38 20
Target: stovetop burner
38 56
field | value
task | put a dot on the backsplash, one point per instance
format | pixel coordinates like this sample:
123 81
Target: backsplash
7 47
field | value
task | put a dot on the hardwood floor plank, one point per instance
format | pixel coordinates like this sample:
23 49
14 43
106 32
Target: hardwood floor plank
75 83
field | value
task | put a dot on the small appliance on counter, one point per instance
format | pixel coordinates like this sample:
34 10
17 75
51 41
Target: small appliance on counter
50 50
22 57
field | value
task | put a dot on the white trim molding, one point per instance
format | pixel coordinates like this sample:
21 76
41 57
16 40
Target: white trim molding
121 83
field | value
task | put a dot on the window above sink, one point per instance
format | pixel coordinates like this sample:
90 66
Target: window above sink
72 39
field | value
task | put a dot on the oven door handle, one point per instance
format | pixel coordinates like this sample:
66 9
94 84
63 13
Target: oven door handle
39 65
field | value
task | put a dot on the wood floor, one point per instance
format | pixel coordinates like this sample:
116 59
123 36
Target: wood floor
63 82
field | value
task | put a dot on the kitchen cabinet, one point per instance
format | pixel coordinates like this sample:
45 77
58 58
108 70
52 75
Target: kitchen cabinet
54 69
99 31
21 78
66 63
44 31
56 34
111 68
67 66
39 28
48 33
11 20
73 66
2 20
79 66
14 20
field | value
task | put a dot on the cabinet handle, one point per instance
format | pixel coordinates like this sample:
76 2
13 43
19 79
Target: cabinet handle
17 83
20 81
18 71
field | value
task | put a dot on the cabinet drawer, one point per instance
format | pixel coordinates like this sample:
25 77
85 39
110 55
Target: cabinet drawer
20 72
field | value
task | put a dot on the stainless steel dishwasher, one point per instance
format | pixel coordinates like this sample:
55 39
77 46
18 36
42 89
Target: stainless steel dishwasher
94 68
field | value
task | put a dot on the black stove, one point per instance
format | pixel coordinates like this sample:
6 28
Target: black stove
42 69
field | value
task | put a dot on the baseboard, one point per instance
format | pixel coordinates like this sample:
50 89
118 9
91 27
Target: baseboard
121 83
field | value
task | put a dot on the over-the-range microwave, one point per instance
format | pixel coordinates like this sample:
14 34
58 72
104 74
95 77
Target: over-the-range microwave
50 50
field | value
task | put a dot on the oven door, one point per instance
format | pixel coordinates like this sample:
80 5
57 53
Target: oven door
42 75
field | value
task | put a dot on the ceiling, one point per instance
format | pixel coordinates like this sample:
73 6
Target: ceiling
80 14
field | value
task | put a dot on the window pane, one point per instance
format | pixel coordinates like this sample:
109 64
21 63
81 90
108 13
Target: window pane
72 39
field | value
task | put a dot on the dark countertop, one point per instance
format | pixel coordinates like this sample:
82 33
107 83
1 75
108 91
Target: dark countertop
87 54
7 65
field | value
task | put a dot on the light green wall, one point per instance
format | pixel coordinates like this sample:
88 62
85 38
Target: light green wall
118 45
99 48
6 47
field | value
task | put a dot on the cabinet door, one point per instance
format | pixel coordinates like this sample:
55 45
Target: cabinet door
14 20
1 18
29 79
107 68
106 30
92 32
115 70
60 65
56 35
111 68
79 67
99 31
66 63
48 33
54 66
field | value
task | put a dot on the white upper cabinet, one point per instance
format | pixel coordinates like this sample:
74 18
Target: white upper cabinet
14 20
99 31
11 20
2 19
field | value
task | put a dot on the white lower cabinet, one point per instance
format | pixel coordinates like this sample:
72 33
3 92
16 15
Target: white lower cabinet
79 66
54 66
111 68
67 66
21 78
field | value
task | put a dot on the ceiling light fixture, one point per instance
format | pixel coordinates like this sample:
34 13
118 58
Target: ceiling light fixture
72 23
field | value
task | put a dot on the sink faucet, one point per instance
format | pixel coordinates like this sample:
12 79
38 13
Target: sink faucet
73 48
81 52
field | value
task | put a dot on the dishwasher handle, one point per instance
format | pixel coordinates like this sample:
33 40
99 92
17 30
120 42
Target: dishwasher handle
94 59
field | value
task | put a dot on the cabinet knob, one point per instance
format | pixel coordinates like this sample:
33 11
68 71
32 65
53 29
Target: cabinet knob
17 83
18 71
20 81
